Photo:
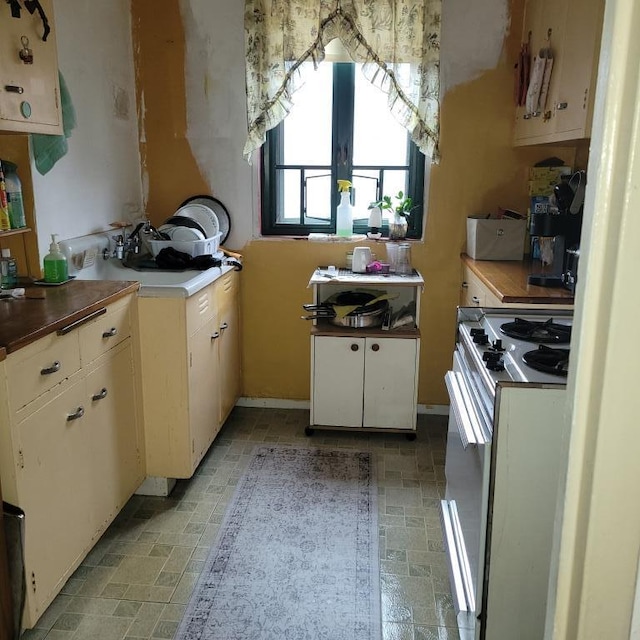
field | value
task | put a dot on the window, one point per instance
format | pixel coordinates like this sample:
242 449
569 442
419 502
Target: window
340 128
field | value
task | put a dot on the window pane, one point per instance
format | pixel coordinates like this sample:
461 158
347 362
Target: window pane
377 137
318 197
307 129
289 196
394 181
365 182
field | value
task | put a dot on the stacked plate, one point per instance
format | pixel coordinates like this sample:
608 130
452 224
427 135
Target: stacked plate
198 218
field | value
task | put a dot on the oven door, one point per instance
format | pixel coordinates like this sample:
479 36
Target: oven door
463 511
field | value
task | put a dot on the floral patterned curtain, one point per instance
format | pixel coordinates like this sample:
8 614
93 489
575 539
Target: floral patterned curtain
398 42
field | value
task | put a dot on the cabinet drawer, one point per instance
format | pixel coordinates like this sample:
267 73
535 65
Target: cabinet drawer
473 292
41 366
106 331
201 307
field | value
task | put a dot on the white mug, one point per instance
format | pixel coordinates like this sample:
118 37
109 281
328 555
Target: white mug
361 258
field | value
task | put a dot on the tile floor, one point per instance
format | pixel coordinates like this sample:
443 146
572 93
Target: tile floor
136 581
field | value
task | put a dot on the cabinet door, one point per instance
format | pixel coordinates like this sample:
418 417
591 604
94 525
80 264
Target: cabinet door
337 381
54 493
573 103
204 403
390 383
116 469
29 93
227 297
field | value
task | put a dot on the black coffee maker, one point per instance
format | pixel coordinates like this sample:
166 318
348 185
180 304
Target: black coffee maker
557 233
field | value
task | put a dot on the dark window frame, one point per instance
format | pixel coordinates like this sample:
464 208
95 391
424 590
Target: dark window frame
341 167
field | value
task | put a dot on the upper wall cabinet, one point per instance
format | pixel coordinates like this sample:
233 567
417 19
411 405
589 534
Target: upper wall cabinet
570 31
29 87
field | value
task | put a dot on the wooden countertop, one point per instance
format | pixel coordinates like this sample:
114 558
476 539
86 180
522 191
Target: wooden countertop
46 309
507 279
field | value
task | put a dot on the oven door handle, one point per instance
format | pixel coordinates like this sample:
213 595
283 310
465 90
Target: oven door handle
455 387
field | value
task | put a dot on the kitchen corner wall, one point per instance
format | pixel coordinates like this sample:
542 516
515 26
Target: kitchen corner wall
190 81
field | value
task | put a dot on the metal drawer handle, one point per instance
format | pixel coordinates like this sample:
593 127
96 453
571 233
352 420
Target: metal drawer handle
81 321
100 395
12 88
475 299
52 369
215 335
465 285
109 334
562 105
74 416
224 326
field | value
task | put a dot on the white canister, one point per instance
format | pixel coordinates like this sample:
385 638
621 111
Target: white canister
361 258
392 256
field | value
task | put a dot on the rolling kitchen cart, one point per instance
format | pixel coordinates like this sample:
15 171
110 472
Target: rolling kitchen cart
364 376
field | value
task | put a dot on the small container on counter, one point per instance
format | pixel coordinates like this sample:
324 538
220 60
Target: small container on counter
8 271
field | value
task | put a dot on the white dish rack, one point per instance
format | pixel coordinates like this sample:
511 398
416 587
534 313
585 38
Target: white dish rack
194 248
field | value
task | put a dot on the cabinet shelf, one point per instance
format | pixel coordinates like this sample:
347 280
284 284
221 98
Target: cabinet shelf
14 232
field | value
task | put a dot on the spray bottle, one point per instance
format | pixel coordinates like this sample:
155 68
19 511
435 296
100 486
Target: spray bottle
344 217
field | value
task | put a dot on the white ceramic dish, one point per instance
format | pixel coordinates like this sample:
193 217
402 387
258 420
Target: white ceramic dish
218 208
194 248
176 232
203 215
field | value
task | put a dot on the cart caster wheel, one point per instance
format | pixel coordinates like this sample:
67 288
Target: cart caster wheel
410 437
308 431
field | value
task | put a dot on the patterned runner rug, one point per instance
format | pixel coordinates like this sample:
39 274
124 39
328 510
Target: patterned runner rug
297 554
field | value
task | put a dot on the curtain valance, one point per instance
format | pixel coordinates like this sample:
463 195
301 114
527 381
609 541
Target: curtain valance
398 42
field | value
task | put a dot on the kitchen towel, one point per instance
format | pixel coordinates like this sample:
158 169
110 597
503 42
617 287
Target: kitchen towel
48 149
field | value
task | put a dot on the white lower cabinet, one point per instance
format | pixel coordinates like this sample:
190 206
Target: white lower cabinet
366 382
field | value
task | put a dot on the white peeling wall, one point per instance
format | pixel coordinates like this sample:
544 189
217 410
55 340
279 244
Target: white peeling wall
216 106
98 181
472 38
473 35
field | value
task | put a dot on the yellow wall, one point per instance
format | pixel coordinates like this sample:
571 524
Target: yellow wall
479 171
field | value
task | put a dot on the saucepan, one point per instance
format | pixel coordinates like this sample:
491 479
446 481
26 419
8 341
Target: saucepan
354 309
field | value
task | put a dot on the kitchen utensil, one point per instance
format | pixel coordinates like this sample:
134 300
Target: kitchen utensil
203 215
224 221
361 258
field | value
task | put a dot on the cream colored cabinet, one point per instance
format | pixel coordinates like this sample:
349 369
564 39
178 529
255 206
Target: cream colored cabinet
72 454
29 91
365 382
571 29
189 347
228 299
366 378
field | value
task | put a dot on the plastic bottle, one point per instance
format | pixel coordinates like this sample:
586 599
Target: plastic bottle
8 271
14 195
344 212
55 264
5 223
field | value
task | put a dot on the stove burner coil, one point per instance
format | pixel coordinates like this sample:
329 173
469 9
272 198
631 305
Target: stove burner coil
548 360
548 332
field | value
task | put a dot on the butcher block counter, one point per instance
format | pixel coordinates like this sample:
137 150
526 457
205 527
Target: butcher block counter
48 309
491 283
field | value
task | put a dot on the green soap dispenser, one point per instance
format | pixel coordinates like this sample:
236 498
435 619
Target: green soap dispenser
55 264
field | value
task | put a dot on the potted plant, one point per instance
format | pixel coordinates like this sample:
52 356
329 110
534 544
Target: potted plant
401 207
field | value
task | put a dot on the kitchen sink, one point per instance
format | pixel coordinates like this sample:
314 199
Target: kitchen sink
86 262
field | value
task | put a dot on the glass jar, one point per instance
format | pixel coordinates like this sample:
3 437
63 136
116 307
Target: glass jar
403 264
